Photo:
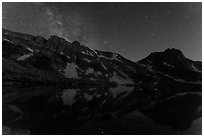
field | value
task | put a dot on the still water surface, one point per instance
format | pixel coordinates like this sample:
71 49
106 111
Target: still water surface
119 110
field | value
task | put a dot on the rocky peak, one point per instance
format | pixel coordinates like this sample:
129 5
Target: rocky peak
175 58
77 47
174 52
58 44
61 45
170 58
40 40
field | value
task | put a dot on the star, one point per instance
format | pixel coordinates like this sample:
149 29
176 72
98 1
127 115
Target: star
154 23
105 42
116 33
59 22
180 28
186 17
90 19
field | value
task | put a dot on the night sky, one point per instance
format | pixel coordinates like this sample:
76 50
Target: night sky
133 30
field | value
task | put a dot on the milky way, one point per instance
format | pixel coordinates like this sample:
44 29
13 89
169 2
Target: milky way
131 29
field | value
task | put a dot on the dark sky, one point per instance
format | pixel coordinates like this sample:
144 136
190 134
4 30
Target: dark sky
131 29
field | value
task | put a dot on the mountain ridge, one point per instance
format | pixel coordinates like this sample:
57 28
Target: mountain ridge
38 38
76 61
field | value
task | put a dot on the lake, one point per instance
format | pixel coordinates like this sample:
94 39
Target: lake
98 110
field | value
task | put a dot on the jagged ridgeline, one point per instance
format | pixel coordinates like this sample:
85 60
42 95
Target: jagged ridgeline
38 59
33 58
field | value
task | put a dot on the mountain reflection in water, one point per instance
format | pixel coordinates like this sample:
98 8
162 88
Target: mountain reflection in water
119 110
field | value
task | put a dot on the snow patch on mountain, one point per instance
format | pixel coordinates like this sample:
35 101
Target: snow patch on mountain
79 69
115 57
4 39
25 56
88 53
104 66
150 68
29 49
149 61
195 69
87 60
71 71
99 73
168 65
